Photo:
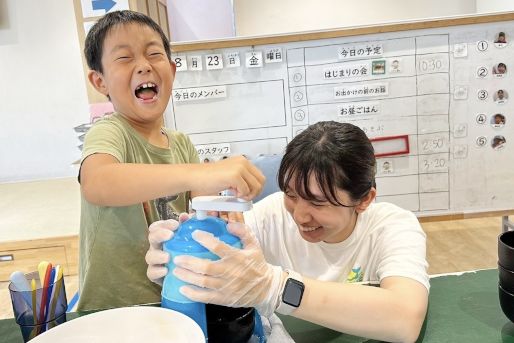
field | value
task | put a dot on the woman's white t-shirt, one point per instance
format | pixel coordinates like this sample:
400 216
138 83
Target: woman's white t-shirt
387 241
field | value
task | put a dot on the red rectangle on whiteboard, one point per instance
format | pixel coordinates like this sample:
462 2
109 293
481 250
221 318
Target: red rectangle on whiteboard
390 146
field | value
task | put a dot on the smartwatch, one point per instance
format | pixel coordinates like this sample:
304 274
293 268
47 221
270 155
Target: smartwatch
291 294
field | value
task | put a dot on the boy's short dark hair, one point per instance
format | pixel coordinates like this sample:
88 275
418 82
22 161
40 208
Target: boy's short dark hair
338 155
93 47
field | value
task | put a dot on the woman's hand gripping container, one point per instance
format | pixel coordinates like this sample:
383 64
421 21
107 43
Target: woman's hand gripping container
182 243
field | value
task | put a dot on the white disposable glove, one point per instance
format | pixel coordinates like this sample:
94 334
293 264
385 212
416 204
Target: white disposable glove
158 233
240 278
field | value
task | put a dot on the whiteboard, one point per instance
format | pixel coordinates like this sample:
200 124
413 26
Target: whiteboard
427 98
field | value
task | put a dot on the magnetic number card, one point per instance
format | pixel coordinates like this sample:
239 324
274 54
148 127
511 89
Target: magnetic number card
180 62
214 61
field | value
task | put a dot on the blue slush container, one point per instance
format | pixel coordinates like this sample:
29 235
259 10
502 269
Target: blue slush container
183 243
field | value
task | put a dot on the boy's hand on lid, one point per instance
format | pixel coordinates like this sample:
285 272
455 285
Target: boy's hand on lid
234 173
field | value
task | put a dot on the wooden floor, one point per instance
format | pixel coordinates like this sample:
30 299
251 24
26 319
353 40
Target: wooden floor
452 246
461 245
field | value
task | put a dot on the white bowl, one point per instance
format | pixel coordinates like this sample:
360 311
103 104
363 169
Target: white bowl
126 324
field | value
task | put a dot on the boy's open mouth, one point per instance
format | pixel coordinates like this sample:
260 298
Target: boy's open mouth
146 91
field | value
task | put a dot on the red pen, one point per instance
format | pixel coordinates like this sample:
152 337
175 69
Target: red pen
44 293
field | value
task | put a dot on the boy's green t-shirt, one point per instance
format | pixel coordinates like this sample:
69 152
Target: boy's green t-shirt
114 240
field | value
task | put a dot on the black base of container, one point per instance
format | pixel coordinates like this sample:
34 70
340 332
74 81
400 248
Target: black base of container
229 324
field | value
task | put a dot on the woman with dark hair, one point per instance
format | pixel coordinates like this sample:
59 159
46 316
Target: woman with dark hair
309 249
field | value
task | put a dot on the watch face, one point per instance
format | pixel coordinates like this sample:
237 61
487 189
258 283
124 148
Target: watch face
293 292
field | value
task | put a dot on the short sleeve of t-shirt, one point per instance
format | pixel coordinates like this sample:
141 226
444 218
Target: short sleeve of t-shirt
106 137
402 245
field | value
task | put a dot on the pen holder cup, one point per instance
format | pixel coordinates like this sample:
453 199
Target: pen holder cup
39 310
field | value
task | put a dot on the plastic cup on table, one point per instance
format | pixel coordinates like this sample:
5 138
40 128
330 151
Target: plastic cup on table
26 305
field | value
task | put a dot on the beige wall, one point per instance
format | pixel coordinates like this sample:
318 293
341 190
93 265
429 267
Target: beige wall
42 90
494 5
266 17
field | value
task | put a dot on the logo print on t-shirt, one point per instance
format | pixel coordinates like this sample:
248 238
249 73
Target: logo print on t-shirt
355 275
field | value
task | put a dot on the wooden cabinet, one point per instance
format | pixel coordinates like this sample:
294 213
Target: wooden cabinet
26 255
155 9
